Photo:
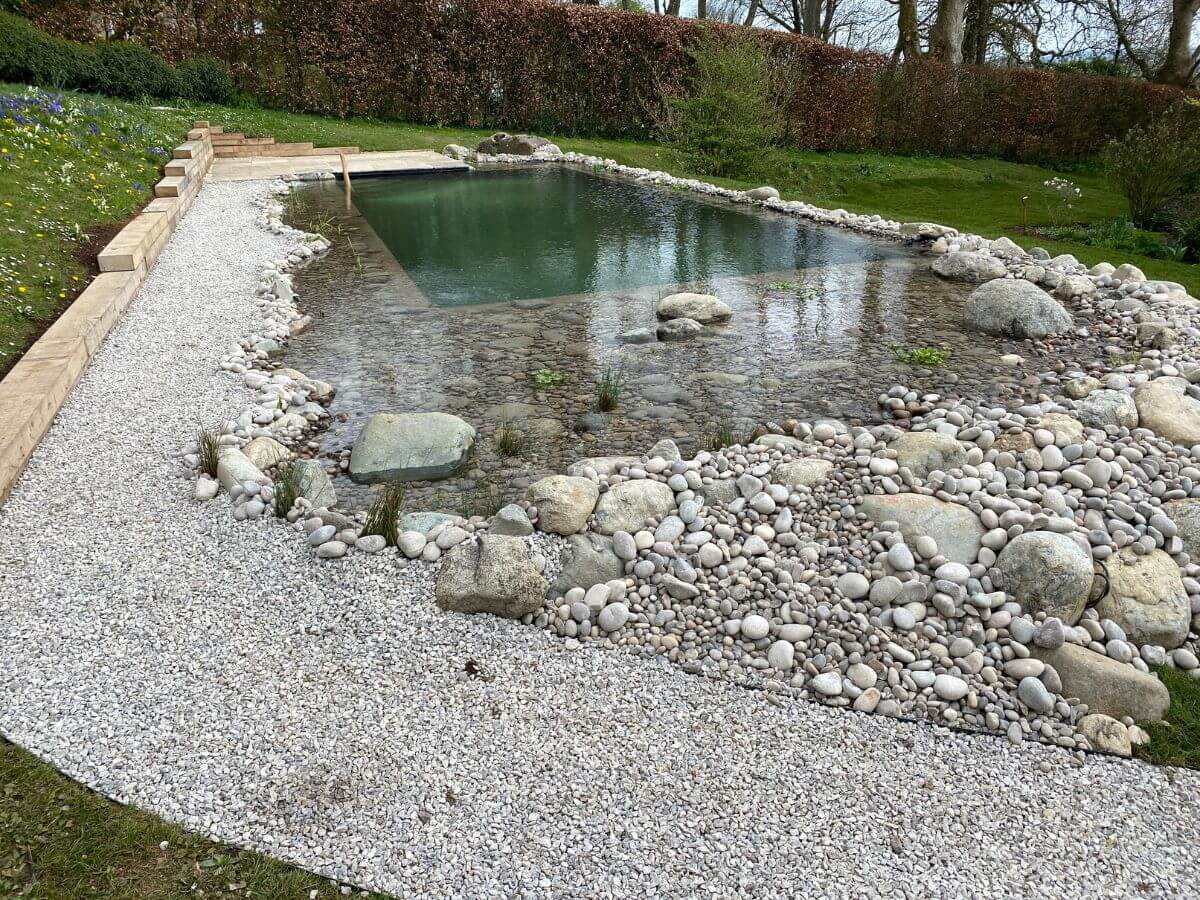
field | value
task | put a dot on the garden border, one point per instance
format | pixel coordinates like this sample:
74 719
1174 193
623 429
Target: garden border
34 390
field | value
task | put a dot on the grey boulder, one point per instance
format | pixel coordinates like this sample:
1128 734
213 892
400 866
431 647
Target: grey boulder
924 451
703 308
1164 407
1010 307
1107 409
314 484
1146 597
630 505
410 447
588 559
1107 687
679 330
970 266
494 576
956 530
1047 572
563 502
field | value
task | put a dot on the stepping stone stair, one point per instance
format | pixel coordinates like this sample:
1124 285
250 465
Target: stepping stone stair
235 145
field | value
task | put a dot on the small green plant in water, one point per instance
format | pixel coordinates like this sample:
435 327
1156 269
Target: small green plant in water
544 378
286 489
922 356
484 499
1116 360
608 390
509 440
383 518
207 444
719 438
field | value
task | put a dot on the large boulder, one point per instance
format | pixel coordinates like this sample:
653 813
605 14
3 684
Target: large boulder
956 530
1063 427
970 266
1107 409
235 468
1047 572
766 192
410 447
802 472
924 451
1186 516
587 559
564 502
1164 407
704 308
265 452
517 145
1013 307
630 505
494 576
1146 597
314 484
1108 687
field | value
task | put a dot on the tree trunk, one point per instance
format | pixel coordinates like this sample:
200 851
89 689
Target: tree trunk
672 7
1181 61
978 30
946 36
751 13
701 9
908 44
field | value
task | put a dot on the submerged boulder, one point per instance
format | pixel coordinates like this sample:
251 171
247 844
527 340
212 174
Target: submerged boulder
410 447
1011 307
704 308
679 329
970 266
494 576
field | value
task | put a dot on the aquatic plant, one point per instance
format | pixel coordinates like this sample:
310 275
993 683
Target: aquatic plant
383 517
719 438
509 440
544 378
922 356
608 390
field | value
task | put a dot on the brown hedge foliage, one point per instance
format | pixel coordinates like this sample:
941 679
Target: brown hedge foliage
578 69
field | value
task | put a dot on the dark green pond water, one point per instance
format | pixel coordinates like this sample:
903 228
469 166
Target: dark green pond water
488 237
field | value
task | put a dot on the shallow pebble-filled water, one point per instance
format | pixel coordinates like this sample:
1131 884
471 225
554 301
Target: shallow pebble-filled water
801 343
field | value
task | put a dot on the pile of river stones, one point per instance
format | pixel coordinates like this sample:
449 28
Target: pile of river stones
1014 571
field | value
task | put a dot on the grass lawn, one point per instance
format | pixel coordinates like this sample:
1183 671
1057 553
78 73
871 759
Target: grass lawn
60 841
1176 742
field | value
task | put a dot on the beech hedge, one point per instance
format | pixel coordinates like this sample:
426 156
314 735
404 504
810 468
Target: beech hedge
580 69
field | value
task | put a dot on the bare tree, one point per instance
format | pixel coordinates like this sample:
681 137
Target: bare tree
946 36
1182 62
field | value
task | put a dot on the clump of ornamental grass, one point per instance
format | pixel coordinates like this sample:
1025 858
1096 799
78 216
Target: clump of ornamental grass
286 489
719 438
509 440
383 517
608 390
207 444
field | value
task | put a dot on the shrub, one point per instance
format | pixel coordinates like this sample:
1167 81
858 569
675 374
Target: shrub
131 71
205 80
1154 163
29 56
1189 238
730 114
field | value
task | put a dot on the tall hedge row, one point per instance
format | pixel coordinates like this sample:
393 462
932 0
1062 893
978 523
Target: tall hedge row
570 68
116 68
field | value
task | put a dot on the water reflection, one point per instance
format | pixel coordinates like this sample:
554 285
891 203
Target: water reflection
551 231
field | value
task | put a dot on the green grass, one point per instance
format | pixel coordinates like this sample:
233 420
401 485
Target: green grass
1177 741
60 841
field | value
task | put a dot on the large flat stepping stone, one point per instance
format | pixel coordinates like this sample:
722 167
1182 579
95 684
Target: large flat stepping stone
410 447
955 528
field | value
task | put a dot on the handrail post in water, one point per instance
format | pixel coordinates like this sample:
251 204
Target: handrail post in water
346 178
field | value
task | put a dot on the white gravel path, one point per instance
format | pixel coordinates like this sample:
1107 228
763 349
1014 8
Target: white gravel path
151 648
